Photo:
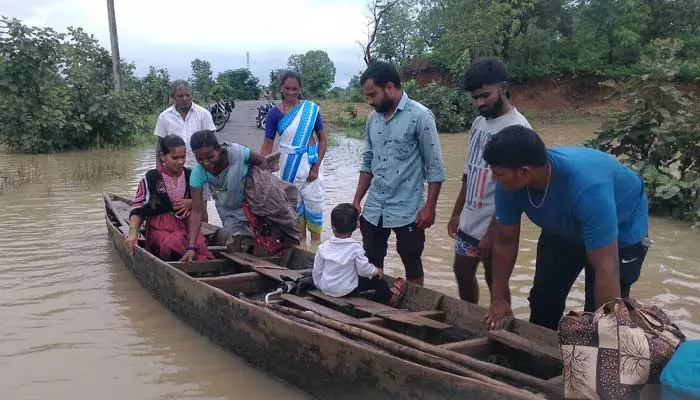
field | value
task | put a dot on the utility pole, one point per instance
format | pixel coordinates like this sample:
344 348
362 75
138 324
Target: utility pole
247 60
116 60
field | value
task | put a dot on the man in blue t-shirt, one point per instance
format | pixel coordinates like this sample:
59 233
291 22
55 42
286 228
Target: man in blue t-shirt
593 213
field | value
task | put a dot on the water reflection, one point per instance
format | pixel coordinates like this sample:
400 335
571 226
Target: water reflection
75 322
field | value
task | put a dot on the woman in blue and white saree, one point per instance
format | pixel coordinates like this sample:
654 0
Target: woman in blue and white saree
295 121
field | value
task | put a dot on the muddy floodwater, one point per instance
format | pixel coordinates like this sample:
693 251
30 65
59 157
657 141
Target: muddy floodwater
76 325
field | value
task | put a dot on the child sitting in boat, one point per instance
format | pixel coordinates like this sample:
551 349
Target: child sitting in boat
341 267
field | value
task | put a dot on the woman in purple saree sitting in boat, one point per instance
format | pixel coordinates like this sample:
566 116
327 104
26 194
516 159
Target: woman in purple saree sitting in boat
164 201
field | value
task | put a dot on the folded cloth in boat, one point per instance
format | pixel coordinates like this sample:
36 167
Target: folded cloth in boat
273 203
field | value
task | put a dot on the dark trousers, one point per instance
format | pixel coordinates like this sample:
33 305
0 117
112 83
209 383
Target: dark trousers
379 285
559 263
410 242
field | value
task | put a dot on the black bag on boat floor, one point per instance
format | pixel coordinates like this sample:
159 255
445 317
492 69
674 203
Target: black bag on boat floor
297 286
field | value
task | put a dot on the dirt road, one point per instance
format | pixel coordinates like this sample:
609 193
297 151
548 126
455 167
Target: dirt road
241 127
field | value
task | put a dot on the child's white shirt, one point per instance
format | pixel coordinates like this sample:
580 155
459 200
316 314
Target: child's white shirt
337 265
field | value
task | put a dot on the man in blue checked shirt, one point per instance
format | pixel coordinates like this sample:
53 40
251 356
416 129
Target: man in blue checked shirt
402 150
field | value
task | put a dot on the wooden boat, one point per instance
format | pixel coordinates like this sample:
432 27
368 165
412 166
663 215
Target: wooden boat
432 346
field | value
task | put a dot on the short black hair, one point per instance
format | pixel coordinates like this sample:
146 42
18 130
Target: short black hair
344 218
204 138
484 71
381 72
170 142
290 74
514 147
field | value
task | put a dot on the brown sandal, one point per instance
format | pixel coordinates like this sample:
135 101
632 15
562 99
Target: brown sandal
397 292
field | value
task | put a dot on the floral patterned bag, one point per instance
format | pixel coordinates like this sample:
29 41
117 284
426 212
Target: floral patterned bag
616 351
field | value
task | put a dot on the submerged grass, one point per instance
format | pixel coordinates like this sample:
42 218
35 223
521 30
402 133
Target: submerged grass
97 168
27 171
345 117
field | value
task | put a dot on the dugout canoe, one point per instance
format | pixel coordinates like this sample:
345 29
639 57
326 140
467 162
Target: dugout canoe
431 346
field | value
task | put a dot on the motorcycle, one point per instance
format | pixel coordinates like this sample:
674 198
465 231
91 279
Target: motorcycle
229 105
263 109
221 112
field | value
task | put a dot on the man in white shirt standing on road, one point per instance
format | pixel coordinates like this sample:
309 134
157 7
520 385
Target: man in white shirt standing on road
183 119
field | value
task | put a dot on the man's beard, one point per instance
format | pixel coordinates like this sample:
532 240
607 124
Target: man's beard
385 106
494 111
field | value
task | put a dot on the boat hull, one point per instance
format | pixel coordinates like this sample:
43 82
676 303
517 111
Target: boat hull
320 363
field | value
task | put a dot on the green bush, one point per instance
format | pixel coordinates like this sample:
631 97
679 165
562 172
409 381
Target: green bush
658 134
453 108
57 92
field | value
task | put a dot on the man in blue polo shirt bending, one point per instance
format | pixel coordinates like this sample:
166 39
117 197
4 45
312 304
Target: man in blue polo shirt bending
593 213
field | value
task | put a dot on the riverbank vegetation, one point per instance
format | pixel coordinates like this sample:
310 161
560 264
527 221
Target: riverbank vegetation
57 86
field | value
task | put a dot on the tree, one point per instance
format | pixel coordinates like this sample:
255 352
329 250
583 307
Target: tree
57 92
317 71
295 61
396 38
237 84
155 89
377 9
354 90
202 82
658 134
617 23
274 87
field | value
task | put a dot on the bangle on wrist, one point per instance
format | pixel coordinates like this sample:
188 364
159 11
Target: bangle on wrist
133 229
192 247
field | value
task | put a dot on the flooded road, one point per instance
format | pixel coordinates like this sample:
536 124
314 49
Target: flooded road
75 324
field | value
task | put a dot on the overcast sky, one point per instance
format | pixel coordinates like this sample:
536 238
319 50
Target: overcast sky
172 33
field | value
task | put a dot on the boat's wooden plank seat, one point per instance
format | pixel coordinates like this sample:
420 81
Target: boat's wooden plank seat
336 301
217 249
250 261
200 267
518 342
392 314
430 314
236 283
379 311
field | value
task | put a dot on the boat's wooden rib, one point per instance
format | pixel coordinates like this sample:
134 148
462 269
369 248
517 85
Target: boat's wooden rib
412 352
433 346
